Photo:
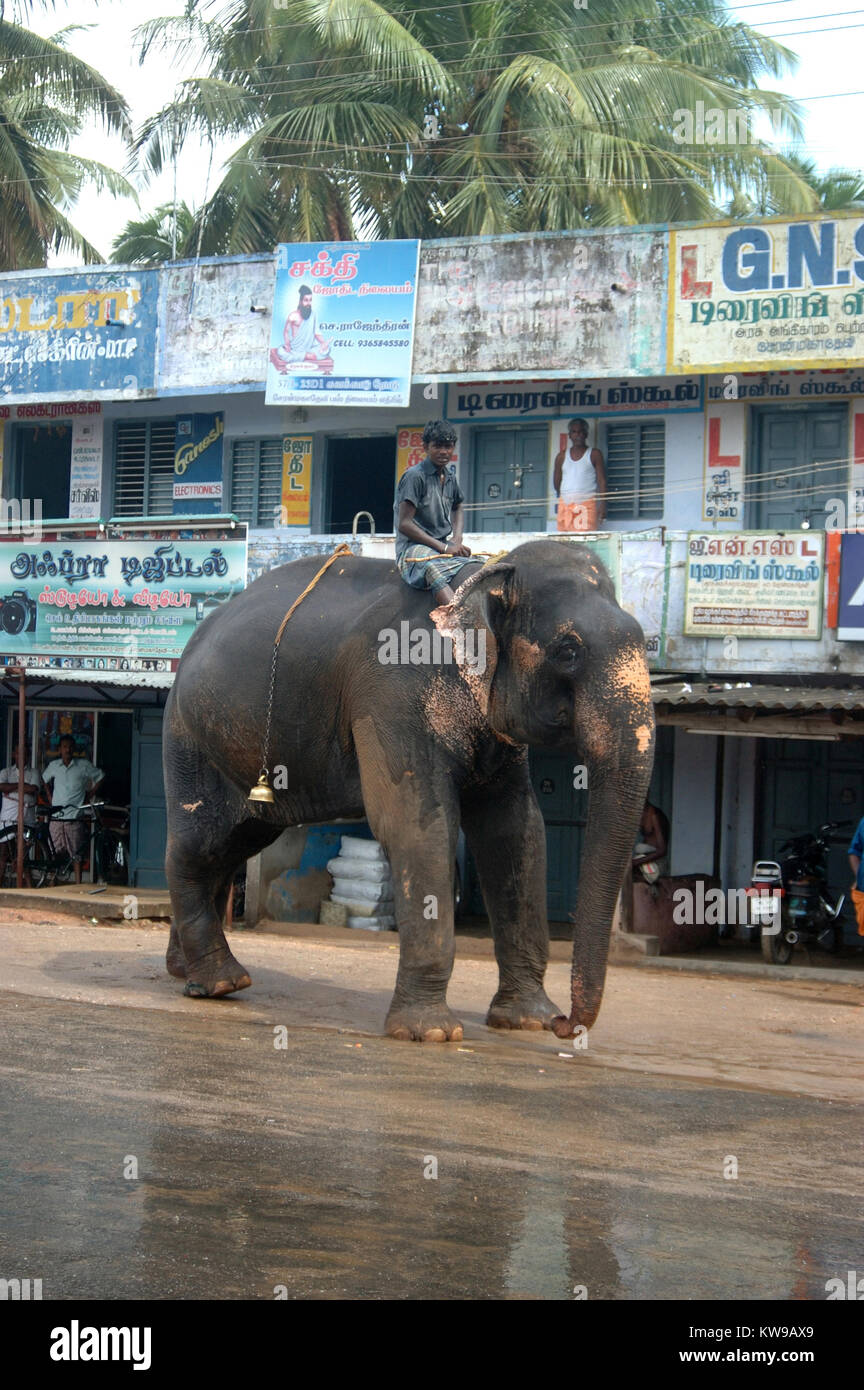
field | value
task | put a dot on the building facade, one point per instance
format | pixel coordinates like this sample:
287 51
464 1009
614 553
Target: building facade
720 371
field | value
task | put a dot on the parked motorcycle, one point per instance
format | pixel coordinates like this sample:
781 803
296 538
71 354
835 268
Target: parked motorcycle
790 899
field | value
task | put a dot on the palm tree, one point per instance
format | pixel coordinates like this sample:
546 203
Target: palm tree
164 235
838 190
393 118
46 96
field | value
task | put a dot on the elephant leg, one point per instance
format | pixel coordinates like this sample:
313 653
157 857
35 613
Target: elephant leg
506 835
175 959
209 836
413 814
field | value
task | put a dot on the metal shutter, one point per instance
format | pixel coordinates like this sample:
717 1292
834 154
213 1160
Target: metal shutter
636 469
256 480
652 469
144 468
130 468
160 482
244 465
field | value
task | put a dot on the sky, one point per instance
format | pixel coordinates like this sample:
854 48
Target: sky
829 45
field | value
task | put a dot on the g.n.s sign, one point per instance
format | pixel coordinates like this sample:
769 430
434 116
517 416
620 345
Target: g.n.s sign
768 295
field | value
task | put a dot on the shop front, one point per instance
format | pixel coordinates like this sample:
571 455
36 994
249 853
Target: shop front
108 609
757 764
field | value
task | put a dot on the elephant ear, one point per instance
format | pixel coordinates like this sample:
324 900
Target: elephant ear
481 607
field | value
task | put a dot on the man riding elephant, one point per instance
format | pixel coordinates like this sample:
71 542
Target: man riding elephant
417 749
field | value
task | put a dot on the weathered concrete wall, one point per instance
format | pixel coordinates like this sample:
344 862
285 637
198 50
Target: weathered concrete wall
551 304
209 337
555 305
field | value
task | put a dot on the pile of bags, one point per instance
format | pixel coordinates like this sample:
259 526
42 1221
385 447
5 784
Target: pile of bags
362 882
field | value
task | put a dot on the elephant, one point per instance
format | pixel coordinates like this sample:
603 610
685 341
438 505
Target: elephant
416 746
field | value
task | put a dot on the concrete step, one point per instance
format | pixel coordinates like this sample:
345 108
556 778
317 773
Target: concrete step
104 902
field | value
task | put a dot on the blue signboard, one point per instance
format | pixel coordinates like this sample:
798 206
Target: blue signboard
850 614
198 464
343 323
105 604
83 335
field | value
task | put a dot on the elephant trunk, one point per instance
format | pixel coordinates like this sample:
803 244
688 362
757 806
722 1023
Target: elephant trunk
617 794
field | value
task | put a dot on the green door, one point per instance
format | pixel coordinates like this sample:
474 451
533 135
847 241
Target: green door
510 471
803 786
564 812
801 463
147 826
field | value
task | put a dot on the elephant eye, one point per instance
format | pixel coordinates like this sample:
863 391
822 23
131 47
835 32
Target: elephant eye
568 654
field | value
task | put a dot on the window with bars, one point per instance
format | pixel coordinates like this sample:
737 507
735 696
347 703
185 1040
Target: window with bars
256 480
144 468
636 469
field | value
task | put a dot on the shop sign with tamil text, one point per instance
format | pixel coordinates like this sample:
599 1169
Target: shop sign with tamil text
343 323
88 334
754 584
555 400
106 604
296 480
810 384
773 294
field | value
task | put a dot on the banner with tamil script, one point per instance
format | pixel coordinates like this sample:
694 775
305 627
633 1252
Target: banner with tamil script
104 604
88 334
556 400
343 323
774 294
754 584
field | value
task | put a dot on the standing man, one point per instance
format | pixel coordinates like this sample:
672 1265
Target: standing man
9 812
72 780
856 854
428 518
302 344
579 479
652 842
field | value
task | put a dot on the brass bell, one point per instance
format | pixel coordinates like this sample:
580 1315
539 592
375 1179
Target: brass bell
262 791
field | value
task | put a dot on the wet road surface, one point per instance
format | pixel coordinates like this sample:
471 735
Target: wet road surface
263 1168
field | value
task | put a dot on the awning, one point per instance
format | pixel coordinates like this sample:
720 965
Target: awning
129 680
762 710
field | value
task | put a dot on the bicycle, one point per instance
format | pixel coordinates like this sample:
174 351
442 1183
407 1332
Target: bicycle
48 867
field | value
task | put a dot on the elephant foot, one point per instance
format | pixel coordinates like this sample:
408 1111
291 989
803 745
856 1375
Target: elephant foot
211 979
423 1023
175 960
175 964
532 1012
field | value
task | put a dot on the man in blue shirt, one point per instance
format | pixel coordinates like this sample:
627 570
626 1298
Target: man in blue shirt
856 854
428 519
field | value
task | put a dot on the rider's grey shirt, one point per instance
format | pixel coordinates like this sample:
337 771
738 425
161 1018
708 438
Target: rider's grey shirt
433 503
